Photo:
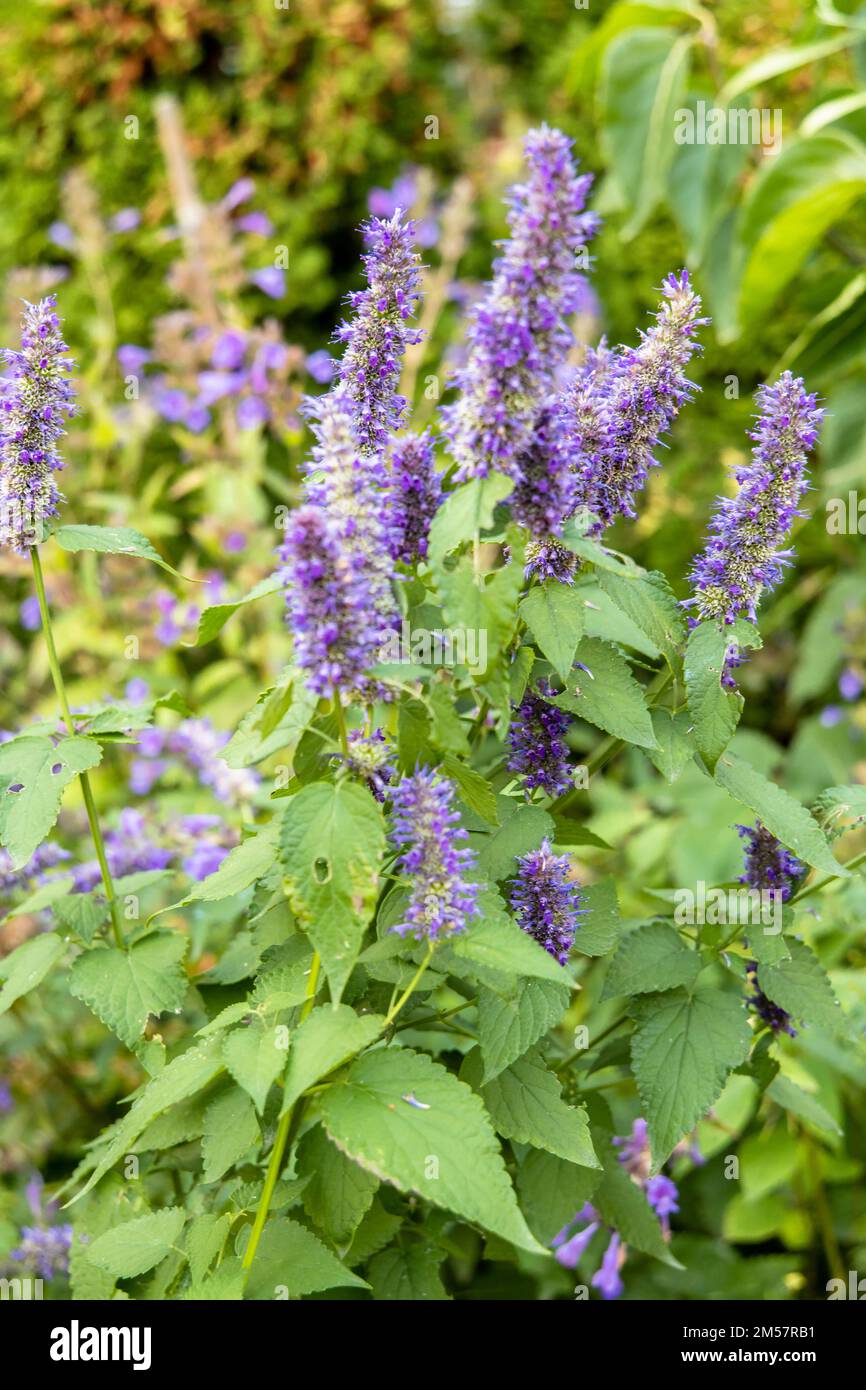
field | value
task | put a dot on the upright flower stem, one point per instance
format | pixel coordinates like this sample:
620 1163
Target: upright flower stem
279 1148
86 789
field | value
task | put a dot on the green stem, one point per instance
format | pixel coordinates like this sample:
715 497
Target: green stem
341 724
276 1160
831 878
86 789
410 988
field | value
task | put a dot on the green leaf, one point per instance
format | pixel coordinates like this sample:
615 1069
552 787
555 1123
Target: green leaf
525 1104
214 618
230 1130
598 931
643 83
137 1245
333 840
410 1275
82 913
674 744
26 967
623 1206
497 943
183 1077
523 830
803 1104
255 1057
41 769
205 1237
326 1039
778 61
552 1190
123 988
652 958
464 512
610 697
291 1259
795 199
339 1193
474 789
714 710
412 1123
649 601
799 985
241 868
781 814
682 1049
111 540
510 1020
554 614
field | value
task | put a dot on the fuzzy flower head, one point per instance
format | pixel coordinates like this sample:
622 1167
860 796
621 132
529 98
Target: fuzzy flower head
379 331
415 494
518 335
44 1247
545 492
550 559
624 403
745 553
539 753
370 759
767 865
35 403
330 603
426 829
546 901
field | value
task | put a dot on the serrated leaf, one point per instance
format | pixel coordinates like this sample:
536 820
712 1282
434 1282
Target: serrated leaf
598 930
790 822
525 1104
255 1057
803 1104
339 1192
413 1124
328 1037
41 769
474 789
552 1191
610 697
554 614
111 540
683 1047
123 988
183 1077
205 1238
82 913
650 603
410 1275
800 985
291 1258
230 1130
464 512
26 967
137 1245
623 1206
650 959
674 744
498 943
523 831
333 839
510 1021
715 711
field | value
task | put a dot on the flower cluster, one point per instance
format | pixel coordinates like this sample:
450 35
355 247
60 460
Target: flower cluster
379 331
43 1247
621 404
767 865
775 1017
371 760
545 495
198 745
427 829
538 751
36 399
415 493
546 901
196 843
517 336
744 554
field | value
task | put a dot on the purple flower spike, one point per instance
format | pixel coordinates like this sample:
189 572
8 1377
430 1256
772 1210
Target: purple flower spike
539 752
36 399
545 493
744 554
379 331
416 491
767 864
518 334
623 403
424 823
330 603
546 902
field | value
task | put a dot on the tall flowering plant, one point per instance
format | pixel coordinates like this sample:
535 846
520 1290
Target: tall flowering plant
424 999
